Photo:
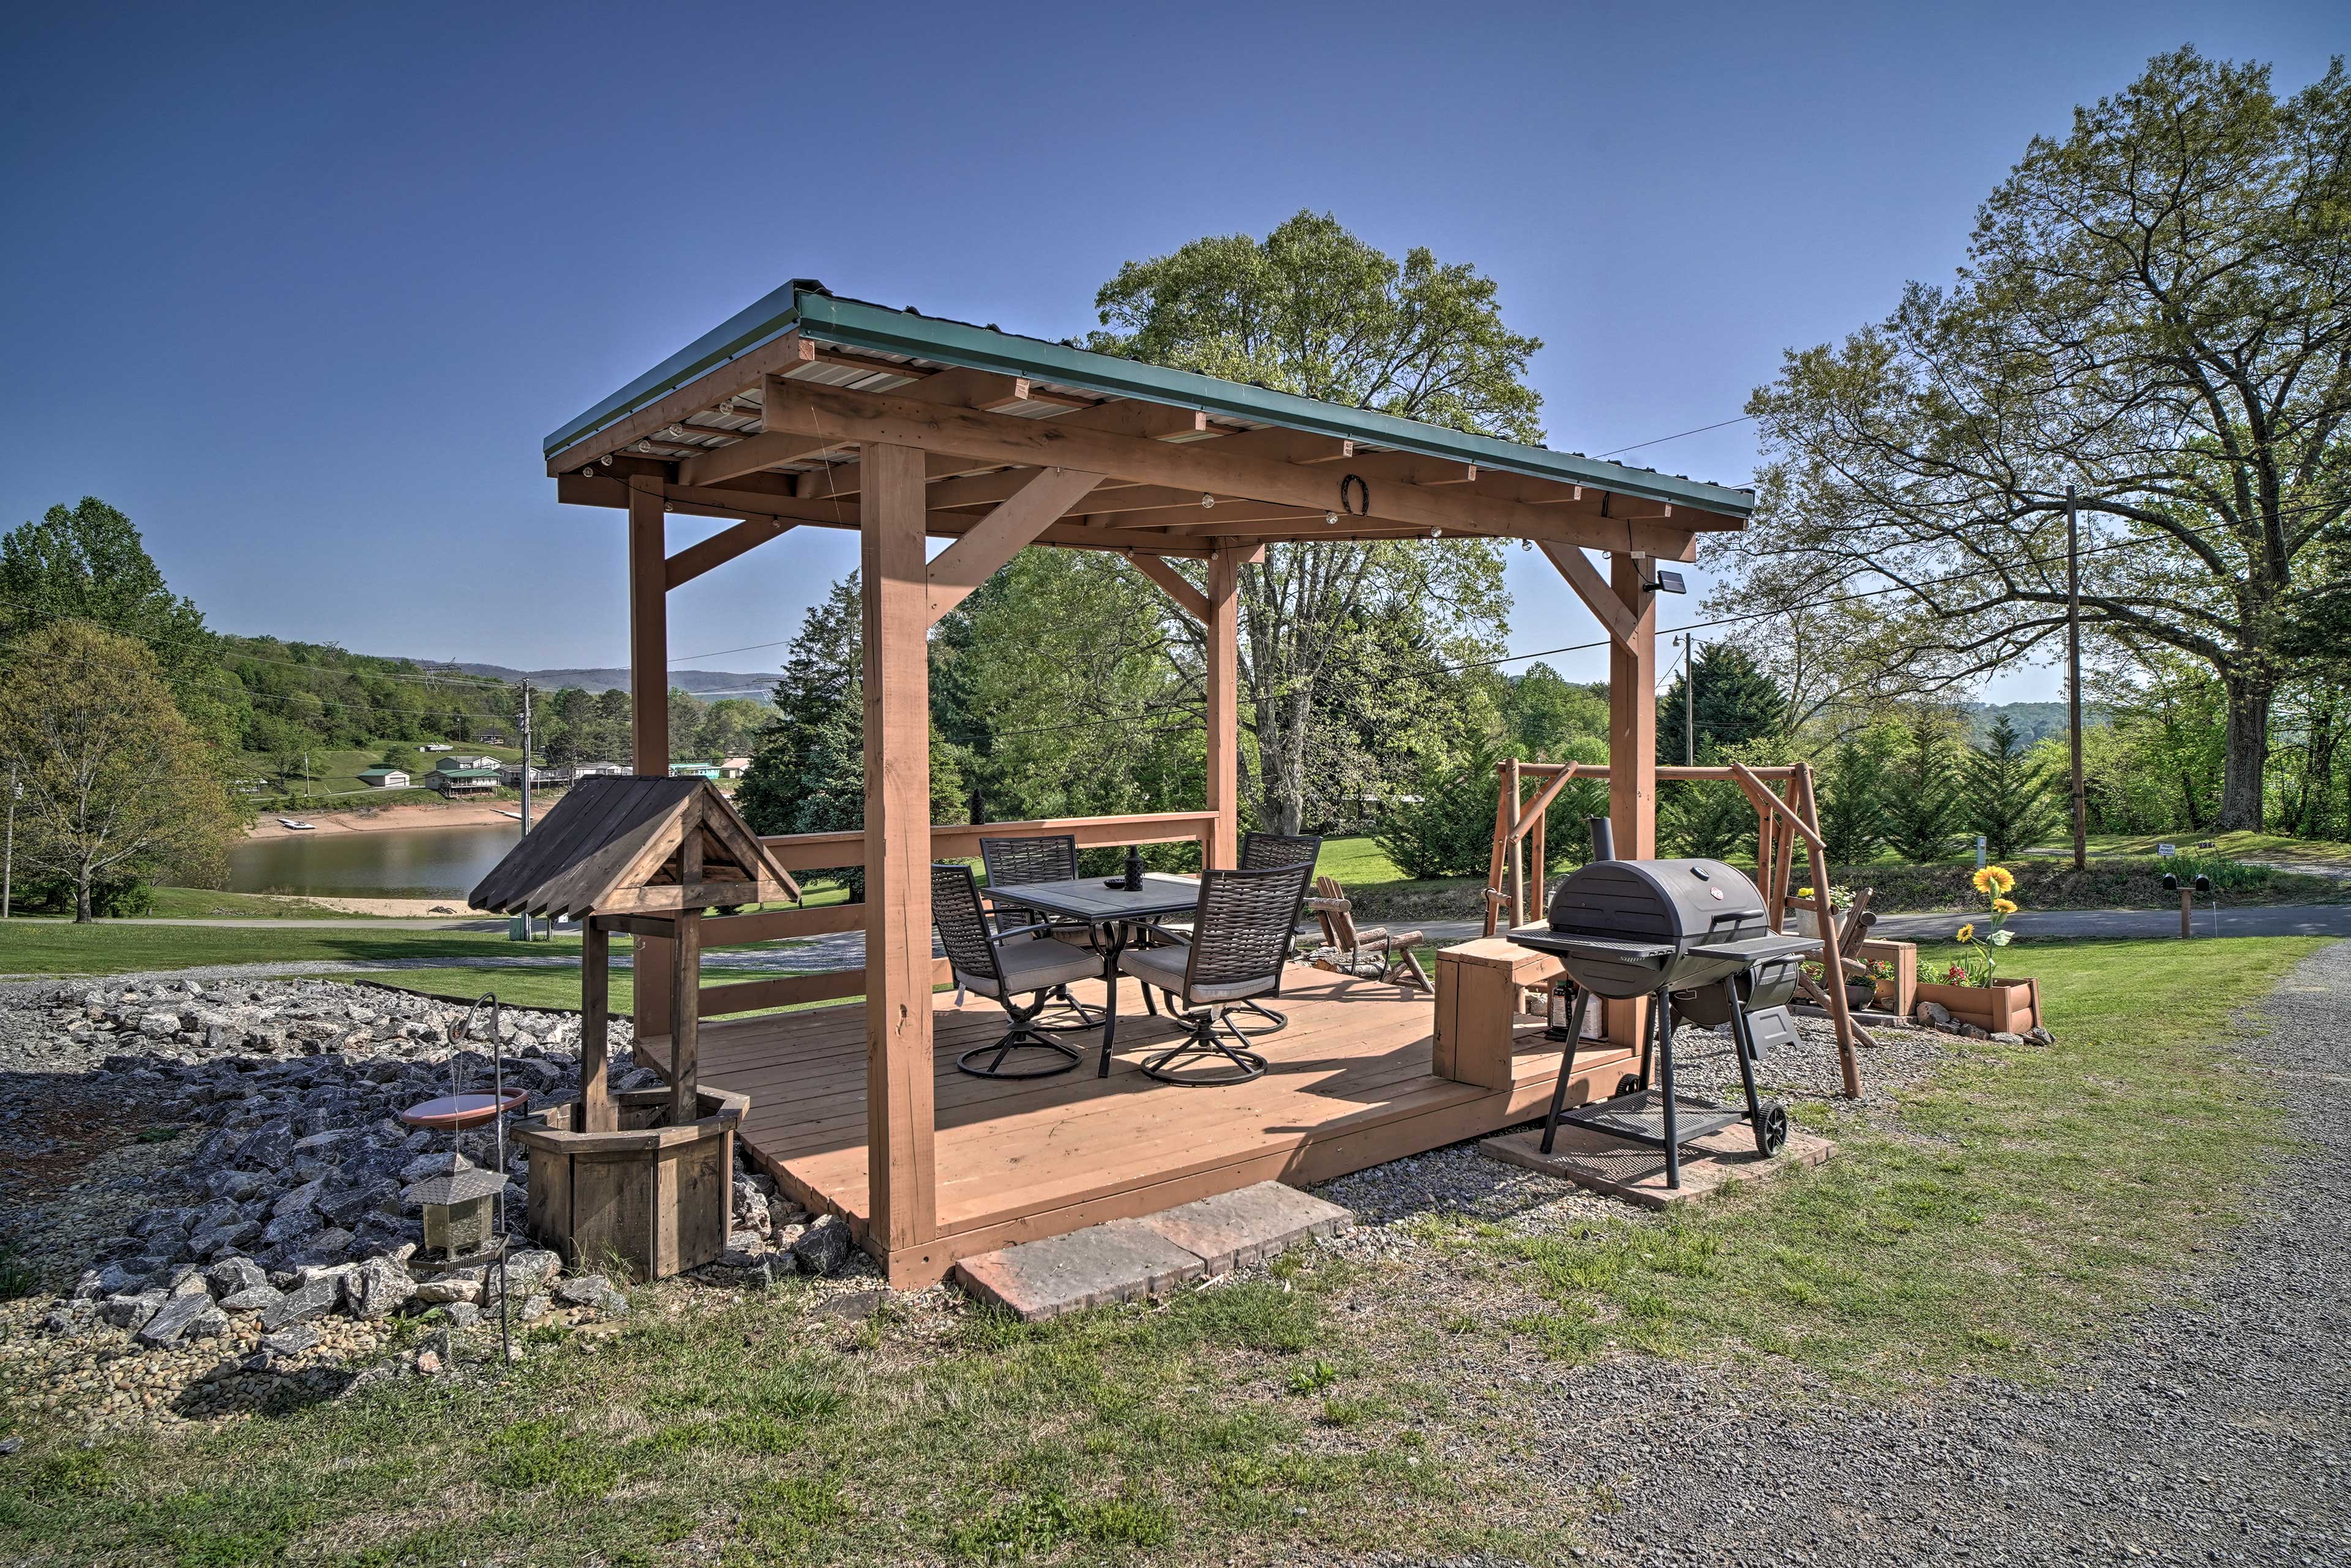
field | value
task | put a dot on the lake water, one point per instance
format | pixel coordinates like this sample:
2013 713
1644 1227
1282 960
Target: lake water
410 863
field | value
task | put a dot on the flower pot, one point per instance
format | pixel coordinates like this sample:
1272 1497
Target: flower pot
1860 993
2007 1006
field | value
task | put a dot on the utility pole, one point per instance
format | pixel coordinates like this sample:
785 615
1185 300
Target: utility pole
1690 701
2073 675
526 759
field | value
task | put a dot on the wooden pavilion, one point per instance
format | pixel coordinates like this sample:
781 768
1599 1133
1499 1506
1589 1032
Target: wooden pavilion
812 410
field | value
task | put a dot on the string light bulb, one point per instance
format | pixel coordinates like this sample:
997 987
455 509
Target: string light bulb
1207 502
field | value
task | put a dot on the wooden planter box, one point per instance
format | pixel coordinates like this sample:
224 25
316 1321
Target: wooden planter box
658 1196
2005 1007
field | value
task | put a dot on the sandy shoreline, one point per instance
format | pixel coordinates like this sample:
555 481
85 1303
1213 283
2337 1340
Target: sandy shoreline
394 819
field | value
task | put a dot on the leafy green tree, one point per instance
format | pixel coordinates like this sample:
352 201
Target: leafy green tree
1313 310
1922 807
2012 798
1737 705
1551 719
2153 312
87 562
117 784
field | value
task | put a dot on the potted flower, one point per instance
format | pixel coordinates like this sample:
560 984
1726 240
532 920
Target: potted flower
1972 990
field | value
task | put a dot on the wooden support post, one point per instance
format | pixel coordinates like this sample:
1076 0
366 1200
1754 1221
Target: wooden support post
901 1125
1833 966
1493 889
1632 749
684 1018
595 1029
651 961
1516 802
1224 689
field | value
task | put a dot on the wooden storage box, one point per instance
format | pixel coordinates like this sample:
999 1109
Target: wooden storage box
655 1195
1479 985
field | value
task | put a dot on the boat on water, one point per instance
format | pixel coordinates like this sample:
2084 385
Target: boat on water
297 825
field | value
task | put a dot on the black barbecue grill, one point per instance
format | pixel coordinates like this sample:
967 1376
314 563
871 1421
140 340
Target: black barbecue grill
1691 934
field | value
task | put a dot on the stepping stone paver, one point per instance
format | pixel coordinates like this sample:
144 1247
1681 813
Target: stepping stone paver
1129 1259
1234 1229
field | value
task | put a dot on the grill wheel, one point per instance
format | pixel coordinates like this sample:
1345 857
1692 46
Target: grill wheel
1772 1136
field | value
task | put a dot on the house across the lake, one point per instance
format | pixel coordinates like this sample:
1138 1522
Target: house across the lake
465 763
464 780
511 775
382 777
694 771
597 770
734 766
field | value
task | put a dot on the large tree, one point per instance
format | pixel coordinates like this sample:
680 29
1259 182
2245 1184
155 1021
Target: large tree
1313 310
85 562
2155 311
116 782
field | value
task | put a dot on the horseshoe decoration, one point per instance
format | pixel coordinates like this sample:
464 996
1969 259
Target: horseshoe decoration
1353 485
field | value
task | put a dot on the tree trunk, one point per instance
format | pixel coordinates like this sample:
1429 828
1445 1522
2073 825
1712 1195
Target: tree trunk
2247 748
83 915
2318 769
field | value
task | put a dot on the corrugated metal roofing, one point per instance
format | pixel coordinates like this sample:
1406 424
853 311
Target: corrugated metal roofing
925 343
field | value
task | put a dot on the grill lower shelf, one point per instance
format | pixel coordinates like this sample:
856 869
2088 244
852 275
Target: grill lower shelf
1641 1117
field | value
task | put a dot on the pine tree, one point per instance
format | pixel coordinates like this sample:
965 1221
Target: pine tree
1852 806
1737 705
1922 804
2010 800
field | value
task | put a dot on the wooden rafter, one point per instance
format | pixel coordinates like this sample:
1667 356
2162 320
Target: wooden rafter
1172 584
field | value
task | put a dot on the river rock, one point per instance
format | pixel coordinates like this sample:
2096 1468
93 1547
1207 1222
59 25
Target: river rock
377 1288
175 1318
231 1275
592 1291
314 1299
823 1247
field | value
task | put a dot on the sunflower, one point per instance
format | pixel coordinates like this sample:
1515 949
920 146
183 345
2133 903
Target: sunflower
2003 906
1965 933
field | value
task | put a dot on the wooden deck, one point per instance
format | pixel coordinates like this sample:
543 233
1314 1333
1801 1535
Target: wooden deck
1350 1085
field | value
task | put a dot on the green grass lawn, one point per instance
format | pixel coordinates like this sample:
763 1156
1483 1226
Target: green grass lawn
2244 846
2021 1200
114 947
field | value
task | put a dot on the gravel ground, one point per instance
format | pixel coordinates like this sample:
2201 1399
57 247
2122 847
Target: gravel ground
2216 1428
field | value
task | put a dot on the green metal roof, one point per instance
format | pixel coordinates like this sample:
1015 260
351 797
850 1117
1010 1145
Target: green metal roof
824 317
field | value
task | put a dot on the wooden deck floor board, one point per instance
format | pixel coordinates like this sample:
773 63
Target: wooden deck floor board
1349 1084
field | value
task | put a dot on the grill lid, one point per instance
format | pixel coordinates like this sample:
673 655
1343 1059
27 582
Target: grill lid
1682 903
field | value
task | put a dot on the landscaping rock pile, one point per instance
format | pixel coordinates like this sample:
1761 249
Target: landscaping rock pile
1934 1015
294 1199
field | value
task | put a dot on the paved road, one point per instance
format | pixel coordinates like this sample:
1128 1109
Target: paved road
2271 920
2257 920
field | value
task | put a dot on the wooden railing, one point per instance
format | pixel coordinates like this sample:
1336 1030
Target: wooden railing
818 852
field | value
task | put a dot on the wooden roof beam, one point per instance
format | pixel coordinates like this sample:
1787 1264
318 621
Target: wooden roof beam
786 351
867 416
1618 621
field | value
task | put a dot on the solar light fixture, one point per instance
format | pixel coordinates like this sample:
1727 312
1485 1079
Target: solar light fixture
1667 582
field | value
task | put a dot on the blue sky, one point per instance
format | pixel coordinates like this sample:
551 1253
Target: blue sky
302 288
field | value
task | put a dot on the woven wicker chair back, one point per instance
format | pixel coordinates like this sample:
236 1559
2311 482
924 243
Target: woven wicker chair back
1012 862
957 911
1241 927
1262 851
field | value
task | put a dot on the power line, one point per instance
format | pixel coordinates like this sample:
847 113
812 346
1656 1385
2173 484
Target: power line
1661 440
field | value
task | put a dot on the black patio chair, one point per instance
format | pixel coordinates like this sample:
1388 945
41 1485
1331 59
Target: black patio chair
1054 858
1265 851
984 963
1239 941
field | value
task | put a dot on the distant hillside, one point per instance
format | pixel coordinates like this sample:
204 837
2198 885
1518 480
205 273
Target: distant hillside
705 684
2032 720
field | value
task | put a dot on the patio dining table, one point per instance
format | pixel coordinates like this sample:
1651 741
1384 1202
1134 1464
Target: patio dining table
1108 904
